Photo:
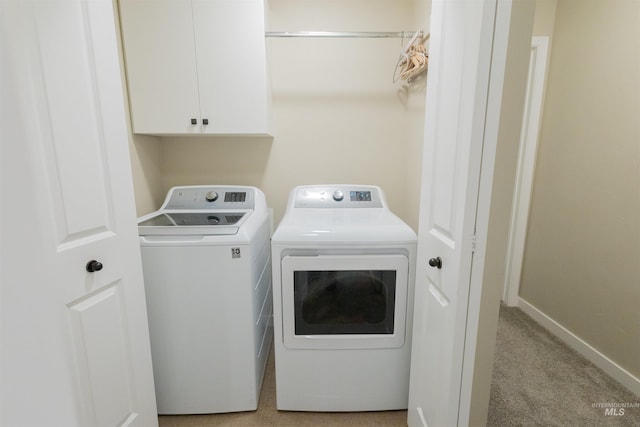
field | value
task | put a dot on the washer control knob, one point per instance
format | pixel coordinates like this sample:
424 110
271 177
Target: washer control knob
211 196
338 195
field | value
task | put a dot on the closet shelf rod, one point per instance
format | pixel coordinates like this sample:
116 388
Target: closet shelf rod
356 34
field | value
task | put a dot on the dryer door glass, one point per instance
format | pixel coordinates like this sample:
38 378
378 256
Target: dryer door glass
344 301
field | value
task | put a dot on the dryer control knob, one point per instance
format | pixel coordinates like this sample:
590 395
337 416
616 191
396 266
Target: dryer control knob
338 195
211 196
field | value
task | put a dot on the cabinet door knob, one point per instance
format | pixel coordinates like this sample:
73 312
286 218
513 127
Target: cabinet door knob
205 121
194 121
436 262
93 266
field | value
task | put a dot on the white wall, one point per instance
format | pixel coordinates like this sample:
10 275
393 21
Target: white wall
338 116
146 164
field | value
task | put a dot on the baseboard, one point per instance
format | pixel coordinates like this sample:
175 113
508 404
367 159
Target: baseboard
594 356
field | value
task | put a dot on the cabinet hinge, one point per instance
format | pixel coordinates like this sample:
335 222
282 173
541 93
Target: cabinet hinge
473 243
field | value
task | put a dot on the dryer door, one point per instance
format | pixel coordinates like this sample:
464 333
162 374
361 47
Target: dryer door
344 301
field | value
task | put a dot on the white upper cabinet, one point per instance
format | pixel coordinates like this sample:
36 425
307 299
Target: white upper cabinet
196 67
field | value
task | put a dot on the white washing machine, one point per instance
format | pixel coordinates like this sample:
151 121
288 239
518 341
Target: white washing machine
343 282
207 275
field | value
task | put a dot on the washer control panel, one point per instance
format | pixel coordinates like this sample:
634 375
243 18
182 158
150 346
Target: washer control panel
210 197
338 196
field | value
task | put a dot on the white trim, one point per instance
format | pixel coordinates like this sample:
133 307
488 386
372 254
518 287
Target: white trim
526 166
585 349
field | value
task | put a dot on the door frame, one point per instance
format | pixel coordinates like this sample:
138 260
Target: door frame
531 123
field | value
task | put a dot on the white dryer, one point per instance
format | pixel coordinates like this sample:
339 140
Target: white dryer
207 275
343 282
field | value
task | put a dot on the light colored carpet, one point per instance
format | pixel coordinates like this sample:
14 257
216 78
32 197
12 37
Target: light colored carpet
539 381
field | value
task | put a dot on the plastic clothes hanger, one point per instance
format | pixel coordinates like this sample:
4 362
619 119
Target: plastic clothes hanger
413 58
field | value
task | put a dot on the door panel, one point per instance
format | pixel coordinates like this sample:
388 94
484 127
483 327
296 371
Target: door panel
81 206
75 344
169 24
99 325
232 74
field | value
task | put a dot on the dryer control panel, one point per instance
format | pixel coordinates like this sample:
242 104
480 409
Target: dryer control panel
339 196
210 197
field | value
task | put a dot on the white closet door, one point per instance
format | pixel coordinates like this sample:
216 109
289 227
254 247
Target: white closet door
75 344
459 150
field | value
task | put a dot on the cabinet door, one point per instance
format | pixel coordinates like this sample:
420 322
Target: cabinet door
161 65
231 58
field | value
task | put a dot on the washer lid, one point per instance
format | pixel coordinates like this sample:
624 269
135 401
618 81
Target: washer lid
201 223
